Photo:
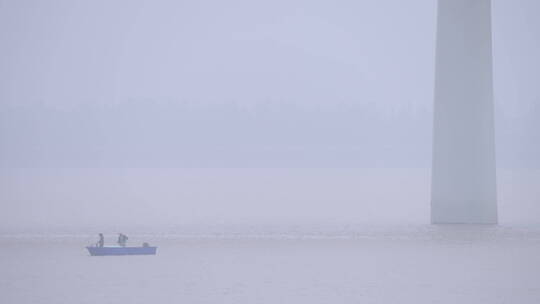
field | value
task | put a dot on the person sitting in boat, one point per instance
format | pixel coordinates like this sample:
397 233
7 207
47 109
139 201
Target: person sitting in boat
122 239
101 241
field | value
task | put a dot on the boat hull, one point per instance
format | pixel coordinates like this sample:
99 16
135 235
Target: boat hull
104 251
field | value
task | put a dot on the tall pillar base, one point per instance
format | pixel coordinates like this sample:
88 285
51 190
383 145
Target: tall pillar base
463 176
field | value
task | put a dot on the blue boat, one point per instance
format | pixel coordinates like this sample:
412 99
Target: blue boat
118 250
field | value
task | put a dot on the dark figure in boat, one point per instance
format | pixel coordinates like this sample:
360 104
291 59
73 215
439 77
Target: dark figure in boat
122 239
101 241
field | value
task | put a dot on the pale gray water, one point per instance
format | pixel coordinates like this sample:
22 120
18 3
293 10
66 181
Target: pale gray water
448 264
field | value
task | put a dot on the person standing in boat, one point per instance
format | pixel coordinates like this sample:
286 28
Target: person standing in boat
122 239
101 241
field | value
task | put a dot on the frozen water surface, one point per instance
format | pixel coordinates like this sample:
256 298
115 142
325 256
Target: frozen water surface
421 264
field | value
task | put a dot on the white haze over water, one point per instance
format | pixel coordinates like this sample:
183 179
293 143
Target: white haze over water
136 114
249 201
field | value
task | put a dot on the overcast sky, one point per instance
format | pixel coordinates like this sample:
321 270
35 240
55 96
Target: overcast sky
243 83
283 84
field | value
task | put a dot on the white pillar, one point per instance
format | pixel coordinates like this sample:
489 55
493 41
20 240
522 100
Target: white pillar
463 186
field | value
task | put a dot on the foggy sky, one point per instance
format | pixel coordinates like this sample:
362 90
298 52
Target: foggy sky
243 84
233 84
